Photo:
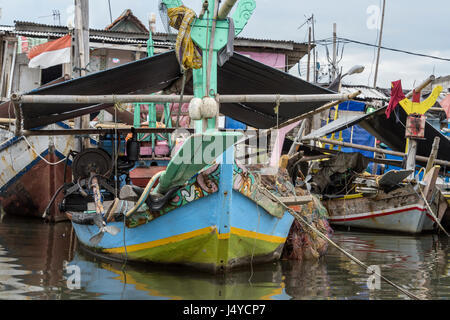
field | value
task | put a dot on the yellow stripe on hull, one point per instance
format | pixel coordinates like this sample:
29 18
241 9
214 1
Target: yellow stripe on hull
196 233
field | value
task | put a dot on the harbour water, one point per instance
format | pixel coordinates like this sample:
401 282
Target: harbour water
43 261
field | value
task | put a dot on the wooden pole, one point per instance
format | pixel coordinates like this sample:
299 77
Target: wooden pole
309 55
421 86
314 51
378 150
72 132
2 77
319 110
308 115
225 9
395 163
298 137
257 98
11 74
433 154
334 52
82 57
7 120
411 157
211 47
18 124
379 46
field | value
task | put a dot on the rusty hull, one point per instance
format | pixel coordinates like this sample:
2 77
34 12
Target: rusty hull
30 194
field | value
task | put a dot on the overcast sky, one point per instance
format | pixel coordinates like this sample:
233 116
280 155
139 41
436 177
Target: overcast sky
412 25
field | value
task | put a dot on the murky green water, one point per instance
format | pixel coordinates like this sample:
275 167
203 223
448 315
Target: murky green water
33 258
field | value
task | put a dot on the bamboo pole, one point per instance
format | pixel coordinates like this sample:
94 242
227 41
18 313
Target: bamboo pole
225 9
309 55
311 113
7 120
211 47
319 110
96 99
69 132
411 142
18 124
372 149
335 70
421 86
330 152
81 60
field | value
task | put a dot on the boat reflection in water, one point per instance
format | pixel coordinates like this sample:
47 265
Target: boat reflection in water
11 287
111 281
419 264
33 256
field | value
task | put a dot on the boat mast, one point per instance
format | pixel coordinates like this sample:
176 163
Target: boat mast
81 60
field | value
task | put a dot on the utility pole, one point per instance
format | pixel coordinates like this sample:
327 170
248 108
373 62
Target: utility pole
334 67
81 58
314 52
309 55
379 45
110 13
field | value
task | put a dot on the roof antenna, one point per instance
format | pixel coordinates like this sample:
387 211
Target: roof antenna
57 16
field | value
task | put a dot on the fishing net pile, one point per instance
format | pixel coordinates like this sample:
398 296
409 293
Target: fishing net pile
302 242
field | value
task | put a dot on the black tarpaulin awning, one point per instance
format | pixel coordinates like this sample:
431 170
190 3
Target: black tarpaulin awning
139 77
240 75
392 132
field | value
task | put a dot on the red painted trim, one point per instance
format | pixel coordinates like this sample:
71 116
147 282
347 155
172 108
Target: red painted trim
378 215
429 216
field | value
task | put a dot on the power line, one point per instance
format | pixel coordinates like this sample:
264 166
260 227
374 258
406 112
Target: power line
346 40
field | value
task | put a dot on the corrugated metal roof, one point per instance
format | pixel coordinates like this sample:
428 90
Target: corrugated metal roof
119 34
367 93
92 37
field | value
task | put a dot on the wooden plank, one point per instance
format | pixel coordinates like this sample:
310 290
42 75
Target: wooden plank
433 154
292 201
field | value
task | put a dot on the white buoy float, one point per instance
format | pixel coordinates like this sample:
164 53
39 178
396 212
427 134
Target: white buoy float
210 108
195 109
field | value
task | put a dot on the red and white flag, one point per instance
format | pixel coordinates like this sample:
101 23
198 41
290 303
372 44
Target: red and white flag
50 53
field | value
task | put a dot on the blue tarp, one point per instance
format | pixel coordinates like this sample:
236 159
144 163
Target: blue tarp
355 134
230 123
352 106
358 136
